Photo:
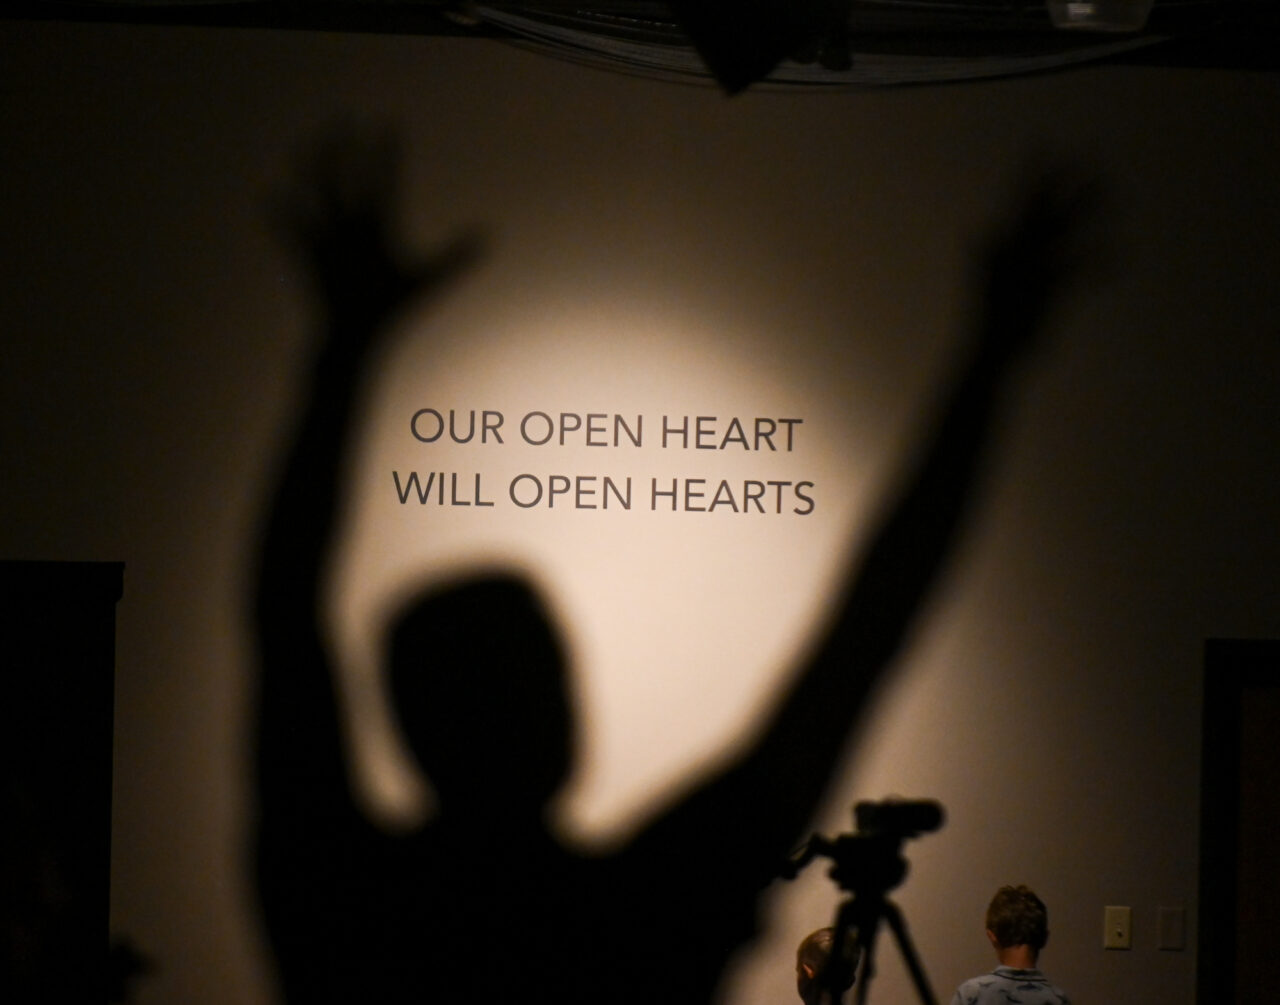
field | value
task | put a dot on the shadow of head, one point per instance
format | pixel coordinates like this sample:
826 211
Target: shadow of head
478 679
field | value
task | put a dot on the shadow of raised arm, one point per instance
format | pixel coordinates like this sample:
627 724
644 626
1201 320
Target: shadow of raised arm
338 217
769 795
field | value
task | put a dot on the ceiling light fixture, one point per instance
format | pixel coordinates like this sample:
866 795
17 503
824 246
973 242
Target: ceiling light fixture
1100 15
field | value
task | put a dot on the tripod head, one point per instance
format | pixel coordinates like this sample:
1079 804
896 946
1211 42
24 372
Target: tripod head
869 862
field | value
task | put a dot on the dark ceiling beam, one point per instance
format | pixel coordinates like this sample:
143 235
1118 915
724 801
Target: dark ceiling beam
421 17
1221 34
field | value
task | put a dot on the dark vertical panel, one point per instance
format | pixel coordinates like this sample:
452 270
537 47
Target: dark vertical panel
1239 877
57 655
1258 865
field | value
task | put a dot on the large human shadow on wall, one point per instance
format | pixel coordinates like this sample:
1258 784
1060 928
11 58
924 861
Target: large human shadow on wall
485 902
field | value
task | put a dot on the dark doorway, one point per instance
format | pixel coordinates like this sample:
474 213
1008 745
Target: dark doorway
1240 816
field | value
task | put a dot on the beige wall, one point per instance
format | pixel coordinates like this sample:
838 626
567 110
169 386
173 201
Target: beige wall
661 249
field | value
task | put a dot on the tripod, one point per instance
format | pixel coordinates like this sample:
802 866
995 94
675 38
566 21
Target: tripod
868 864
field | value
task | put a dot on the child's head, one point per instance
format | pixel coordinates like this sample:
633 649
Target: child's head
812 958
1017 917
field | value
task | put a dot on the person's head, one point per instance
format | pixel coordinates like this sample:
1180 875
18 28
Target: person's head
1017 917
811 958
477 676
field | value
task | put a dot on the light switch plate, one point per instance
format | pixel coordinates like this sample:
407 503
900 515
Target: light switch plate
1118 928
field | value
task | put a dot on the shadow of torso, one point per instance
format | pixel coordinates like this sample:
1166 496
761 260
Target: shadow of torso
450 915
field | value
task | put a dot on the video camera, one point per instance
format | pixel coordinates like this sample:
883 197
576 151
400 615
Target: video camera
903 817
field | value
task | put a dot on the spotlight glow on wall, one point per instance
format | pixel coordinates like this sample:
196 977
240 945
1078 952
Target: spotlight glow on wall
683 611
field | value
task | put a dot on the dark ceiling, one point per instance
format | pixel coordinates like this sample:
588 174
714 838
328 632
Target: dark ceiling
821 44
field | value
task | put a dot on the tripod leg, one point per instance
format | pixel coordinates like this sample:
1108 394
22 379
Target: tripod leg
868 927
848 964
891 912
